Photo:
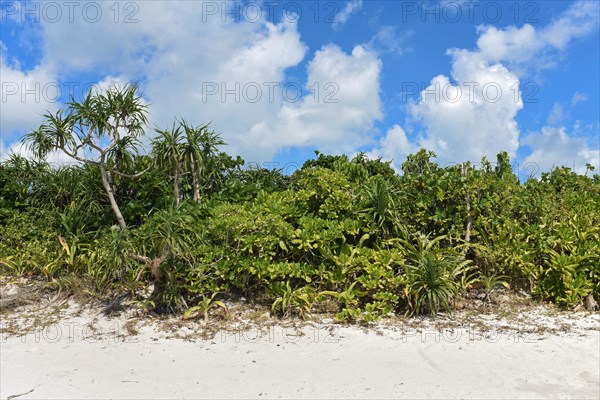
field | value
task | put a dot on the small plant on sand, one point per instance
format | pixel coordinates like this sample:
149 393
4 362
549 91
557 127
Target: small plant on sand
290 300
348 300
433 276
493 283
204 306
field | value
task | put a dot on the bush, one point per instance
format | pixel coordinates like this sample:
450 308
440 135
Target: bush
345 231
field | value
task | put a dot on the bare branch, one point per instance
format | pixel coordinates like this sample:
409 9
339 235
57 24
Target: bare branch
137 257
152 264
134 176
76 157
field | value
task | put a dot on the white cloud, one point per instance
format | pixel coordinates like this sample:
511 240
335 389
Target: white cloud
388 40
56 158
553 147
179 51
556 114
528 48
242 86
26 96
344 15
578 97
110 82
472 117
472 113
580 19
336 121
394 146
509 44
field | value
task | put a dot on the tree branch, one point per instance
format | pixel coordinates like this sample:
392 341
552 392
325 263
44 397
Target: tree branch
134 176
76 157
152 264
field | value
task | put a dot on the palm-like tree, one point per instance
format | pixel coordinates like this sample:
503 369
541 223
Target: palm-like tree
169 149
201 155
102 130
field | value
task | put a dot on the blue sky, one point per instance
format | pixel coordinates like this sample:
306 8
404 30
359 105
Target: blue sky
281 79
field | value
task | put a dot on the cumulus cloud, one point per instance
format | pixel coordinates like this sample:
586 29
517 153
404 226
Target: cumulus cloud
55 158
203 64
26 96
579 20
528 48
554 147
464 117
475 115
341 109
394 146
242 86
509 44
472 113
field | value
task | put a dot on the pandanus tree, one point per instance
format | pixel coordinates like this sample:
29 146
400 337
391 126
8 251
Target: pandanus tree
168 148
187 150
201 154
102 130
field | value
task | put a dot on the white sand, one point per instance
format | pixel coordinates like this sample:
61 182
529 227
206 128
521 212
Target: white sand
66 361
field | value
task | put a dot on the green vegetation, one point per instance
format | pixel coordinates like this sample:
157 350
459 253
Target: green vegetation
189 222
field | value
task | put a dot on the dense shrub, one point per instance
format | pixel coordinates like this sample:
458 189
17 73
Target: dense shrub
341 231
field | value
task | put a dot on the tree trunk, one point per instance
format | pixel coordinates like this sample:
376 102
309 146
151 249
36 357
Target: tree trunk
195 181
176 187
463 172
590 303
111 196
196 189
153 264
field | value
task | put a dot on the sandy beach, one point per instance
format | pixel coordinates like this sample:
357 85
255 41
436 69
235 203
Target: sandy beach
84 354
